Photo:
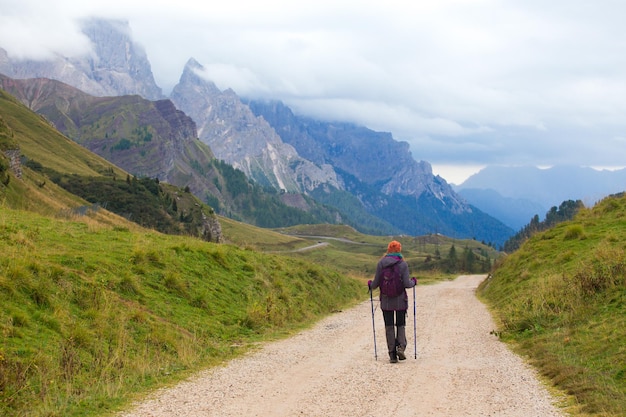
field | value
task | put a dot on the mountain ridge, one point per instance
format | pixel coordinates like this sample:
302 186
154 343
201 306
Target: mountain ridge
154 139
79 116
117 66
382 173
54 176
538 189
249 143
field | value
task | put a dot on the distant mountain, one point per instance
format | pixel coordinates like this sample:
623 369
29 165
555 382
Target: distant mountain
515 194
372 157
368 176
383 175
118 66
514 212
548 187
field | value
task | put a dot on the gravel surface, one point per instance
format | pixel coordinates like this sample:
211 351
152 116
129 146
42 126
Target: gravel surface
331 370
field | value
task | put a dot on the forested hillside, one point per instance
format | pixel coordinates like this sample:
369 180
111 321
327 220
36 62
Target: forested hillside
566 211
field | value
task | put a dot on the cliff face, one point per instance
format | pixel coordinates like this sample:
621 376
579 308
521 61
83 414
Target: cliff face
245 141
118 66
373 158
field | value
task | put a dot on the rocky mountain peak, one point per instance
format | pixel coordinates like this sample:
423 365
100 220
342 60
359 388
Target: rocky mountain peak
192 65
117 65
192 75
242 139
374 158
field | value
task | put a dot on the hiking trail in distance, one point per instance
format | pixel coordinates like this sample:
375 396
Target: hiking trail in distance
330 370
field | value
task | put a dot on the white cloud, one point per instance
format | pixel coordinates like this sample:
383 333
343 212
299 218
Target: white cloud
28 35
456 174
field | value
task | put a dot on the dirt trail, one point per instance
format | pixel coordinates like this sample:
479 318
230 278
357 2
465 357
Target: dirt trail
330 370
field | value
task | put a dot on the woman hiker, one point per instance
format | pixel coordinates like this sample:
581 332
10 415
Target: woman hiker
392 276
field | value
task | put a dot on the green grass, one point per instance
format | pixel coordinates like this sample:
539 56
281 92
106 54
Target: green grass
356 254
255 238
47 146
92 314
561 301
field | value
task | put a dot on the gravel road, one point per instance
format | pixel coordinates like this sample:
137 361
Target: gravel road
330 370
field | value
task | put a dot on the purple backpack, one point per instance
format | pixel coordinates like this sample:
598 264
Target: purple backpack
391 284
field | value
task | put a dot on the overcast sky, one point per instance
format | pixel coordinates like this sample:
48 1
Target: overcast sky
467 83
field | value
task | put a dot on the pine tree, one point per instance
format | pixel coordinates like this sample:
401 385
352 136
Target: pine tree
452 259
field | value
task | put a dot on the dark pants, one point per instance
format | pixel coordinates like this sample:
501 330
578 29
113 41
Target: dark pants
395 338
400 317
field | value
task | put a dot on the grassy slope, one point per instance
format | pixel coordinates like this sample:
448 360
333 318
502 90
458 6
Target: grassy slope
561 299
92 313
47 146
39 142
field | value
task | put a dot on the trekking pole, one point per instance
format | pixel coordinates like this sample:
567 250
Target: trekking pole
373 325
414 324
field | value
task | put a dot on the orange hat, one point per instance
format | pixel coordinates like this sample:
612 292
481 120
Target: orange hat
394 246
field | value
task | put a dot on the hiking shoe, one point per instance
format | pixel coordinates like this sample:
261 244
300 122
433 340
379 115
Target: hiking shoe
400 351
393 358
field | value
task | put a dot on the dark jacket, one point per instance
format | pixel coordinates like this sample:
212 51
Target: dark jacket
400 302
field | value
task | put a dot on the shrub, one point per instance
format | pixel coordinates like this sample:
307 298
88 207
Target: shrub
606 269
122 145
574 232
